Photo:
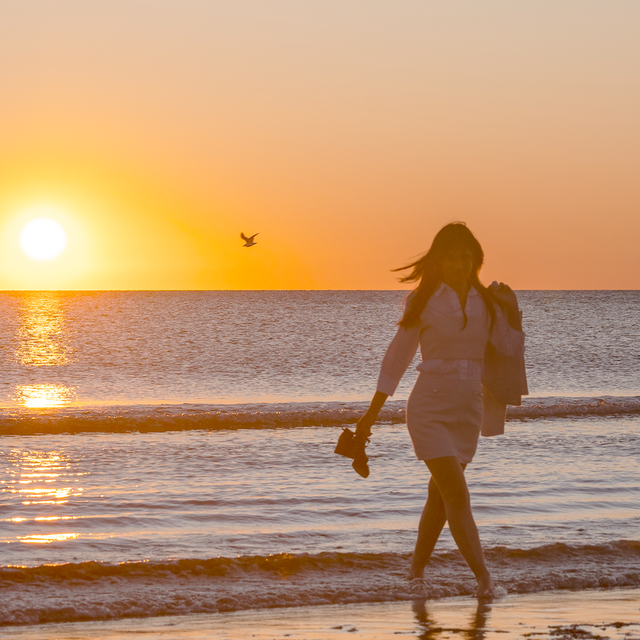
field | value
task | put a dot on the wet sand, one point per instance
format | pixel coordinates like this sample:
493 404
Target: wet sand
557 615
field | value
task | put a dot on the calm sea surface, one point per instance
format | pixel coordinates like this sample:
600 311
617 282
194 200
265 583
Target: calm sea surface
80 482
238 347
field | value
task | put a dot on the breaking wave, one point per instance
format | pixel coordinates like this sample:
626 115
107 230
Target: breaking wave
145 418
100 591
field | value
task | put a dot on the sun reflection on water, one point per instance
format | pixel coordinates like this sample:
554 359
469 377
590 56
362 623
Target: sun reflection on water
44 396
43 339
40 482
31 474
47 538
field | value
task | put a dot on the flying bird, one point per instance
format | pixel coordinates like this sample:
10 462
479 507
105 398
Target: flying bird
248 241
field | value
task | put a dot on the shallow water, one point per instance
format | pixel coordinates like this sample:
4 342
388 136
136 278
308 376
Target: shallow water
131 496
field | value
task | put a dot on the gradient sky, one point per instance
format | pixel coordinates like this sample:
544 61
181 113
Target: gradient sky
346 132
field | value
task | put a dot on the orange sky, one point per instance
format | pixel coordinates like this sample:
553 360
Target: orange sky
346 132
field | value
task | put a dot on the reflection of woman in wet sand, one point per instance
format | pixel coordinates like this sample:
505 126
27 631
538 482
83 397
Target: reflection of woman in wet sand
431 628
452 317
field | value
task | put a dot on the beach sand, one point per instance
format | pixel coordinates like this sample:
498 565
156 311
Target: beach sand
556 615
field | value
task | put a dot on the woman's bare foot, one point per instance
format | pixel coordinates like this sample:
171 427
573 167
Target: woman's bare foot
485 589
415 573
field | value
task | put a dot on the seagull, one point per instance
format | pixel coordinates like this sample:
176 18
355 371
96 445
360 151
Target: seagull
248 242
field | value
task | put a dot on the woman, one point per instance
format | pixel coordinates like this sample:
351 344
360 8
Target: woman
452 317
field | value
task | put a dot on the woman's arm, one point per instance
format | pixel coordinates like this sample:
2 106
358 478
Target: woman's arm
508 303
363 428
506 334
395 362
397 358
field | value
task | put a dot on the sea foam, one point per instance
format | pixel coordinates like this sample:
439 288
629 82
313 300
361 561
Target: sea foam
99 591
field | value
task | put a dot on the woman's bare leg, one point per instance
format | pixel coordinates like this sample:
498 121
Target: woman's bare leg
432 521
431 524
448 475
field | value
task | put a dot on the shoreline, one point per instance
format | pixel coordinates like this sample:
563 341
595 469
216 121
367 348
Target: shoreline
100 592
612 614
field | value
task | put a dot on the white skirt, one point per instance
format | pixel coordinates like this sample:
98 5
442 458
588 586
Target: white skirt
444 417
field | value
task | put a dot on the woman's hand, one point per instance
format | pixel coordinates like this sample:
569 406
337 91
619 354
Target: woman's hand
505 295
507 299
363 427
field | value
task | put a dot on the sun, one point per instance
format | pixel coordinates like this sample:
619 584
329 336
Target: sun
43 239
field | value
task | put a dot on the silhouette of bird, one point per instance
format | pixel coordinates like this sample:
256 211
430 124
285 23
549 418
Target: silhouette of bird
248 242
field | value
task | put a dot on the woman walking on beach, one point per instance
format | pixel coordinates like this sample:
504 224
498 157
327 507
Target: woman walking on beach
452 317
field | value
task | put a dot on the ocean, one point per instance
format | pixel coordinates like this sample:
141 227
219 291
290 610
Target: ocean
172 452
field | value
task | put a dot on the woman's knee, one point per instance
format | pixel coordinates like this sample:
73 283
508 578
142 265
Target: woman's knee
434 496
457 498
447 477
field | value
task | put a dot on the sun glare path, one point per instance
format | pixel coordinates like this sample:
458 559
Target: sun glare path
42 332
44 396
47 538
43 239
42 480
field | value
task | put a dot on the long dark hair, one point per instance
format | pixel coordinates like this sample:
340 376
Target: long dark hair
427 272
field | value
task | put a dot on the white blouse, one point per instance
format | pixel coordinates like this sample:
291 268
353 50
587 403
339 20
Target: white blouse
444 304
